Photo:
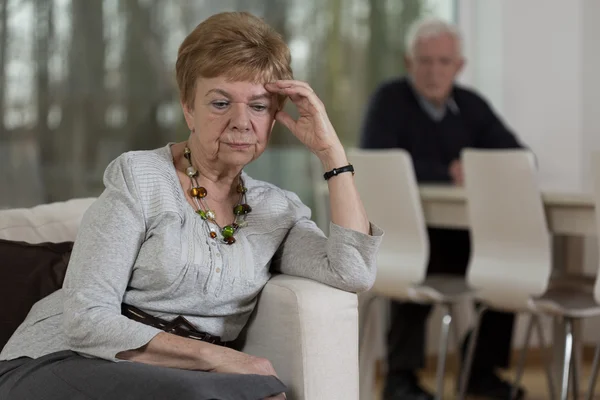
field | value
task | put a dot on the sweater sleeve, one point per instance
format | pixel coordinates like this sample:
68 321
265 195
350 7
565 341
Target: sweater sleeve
346 260
492 133
110 236
385 127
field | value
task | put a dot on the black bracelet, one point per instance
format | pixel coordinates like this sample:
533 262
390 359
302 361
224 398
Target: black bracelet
337 171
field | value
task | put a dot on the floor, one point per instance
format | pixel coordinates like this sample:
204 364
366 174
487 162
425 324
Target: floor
534 380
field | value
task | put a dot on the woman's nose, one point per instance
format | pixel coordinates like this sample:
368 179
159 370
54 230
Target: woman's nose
240 120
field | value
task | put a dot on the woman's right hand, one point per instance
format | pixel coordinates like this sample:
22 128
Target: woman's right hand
235 362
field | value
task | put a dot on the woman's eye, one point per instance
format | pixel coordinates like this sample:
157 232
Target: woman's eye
259 107
220 104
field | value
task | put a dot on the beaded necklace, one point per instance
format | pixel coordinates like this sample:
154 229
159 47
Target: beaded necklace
198 193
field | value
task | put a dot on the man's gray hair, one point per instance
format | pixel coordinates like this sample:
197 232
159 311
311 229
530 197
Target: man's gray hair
428 28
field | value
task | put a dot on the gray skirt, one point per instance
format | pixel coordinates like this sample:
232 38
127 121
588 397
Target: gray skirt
65 375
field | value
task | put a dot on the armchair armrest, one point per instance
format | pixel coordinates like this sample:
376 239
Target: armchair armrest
309 331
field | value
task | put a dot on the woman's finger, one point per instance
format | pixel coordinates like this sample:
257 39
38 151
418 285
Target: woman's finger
296 93
289 82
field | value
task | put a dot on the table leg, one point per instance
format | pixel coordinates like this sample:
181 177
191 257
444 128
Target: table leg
567 259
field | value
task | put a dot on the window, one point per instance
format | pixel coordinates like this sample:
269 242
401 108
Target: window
83 81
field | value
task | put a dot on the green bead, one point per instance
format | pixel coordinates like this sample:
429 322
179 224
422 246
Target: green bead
227 231
238 210
202 214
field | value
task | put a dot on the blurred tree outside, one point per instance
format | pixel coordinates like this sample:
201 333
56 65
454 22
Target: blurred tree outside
3 46
82 81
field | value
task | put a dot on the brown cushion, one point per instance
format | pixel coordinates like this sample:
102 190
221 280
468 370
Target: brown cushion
28 273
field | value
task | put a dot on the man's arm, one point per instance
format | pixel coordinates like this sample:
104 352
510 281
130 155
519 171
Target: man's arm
383 128
491 132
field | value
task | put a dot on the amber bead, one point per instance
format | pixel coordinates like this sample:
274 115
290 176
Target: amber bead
187 153
195 192
213 234
230 240
241 189
198 192
247 208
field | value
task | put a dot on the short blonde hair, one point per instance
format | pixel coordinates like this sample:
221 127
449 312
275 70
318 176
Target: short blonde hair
236 45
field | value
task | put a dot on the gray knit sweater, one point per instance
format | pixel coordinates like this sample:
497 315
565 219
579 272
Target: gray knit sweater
141 243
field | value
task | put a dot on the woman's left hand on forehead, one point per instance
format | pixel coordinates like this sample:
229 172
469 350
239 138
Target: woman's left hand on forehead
312 127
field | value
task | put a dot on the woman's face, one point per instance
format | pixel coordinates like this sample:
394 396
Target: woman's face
231 121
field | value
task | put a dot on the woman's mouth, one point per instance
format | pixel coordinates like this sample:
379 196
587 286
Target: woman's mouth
239 146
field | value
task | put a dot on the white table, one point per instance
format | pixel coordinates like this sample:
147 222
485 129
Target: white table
570 216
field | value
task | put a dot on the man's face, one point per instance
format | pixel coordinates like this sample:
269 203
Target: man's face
434 65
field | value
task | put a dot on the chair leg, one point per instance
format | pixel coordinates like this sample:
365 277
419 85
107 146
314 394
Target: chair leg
521 364
454 328
574 378
564 390
443 351
466 370
594 374
576 360
547 361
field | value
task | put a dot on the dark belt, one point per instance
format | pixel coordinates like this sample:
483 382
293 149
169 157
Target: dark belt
179 326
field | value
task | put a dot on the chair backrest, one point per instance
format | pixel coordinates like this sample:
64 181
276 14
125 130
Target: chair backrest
387 185
511 248
596 181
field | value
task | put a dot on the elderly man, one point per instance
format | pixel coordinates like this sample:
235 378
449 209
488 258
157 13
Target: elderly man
433 118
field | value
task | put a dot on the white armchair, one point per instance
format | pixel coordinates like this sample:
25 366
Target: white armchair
308 330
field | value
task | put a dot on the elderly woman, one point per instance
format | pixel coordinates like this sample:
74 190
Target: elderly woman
169 260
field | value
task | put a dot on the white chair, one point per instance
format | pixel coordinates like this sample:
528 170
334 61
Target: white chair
510 243
510 265
386 182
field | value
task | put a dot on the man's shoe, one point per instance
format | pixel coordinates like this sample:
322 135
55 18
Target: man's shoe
405 387
488 385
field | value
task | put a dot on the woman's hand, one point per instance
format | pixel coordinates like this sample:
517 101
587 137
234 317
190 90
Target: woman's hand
313 127
235 362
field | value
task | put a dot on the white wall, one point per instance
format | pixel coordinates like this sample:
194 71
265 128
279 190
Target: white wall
538 64
591 84
528 58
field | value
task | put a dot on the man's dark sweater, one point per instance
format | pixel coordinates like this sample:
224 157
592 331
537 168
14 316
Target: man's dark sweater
396 119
